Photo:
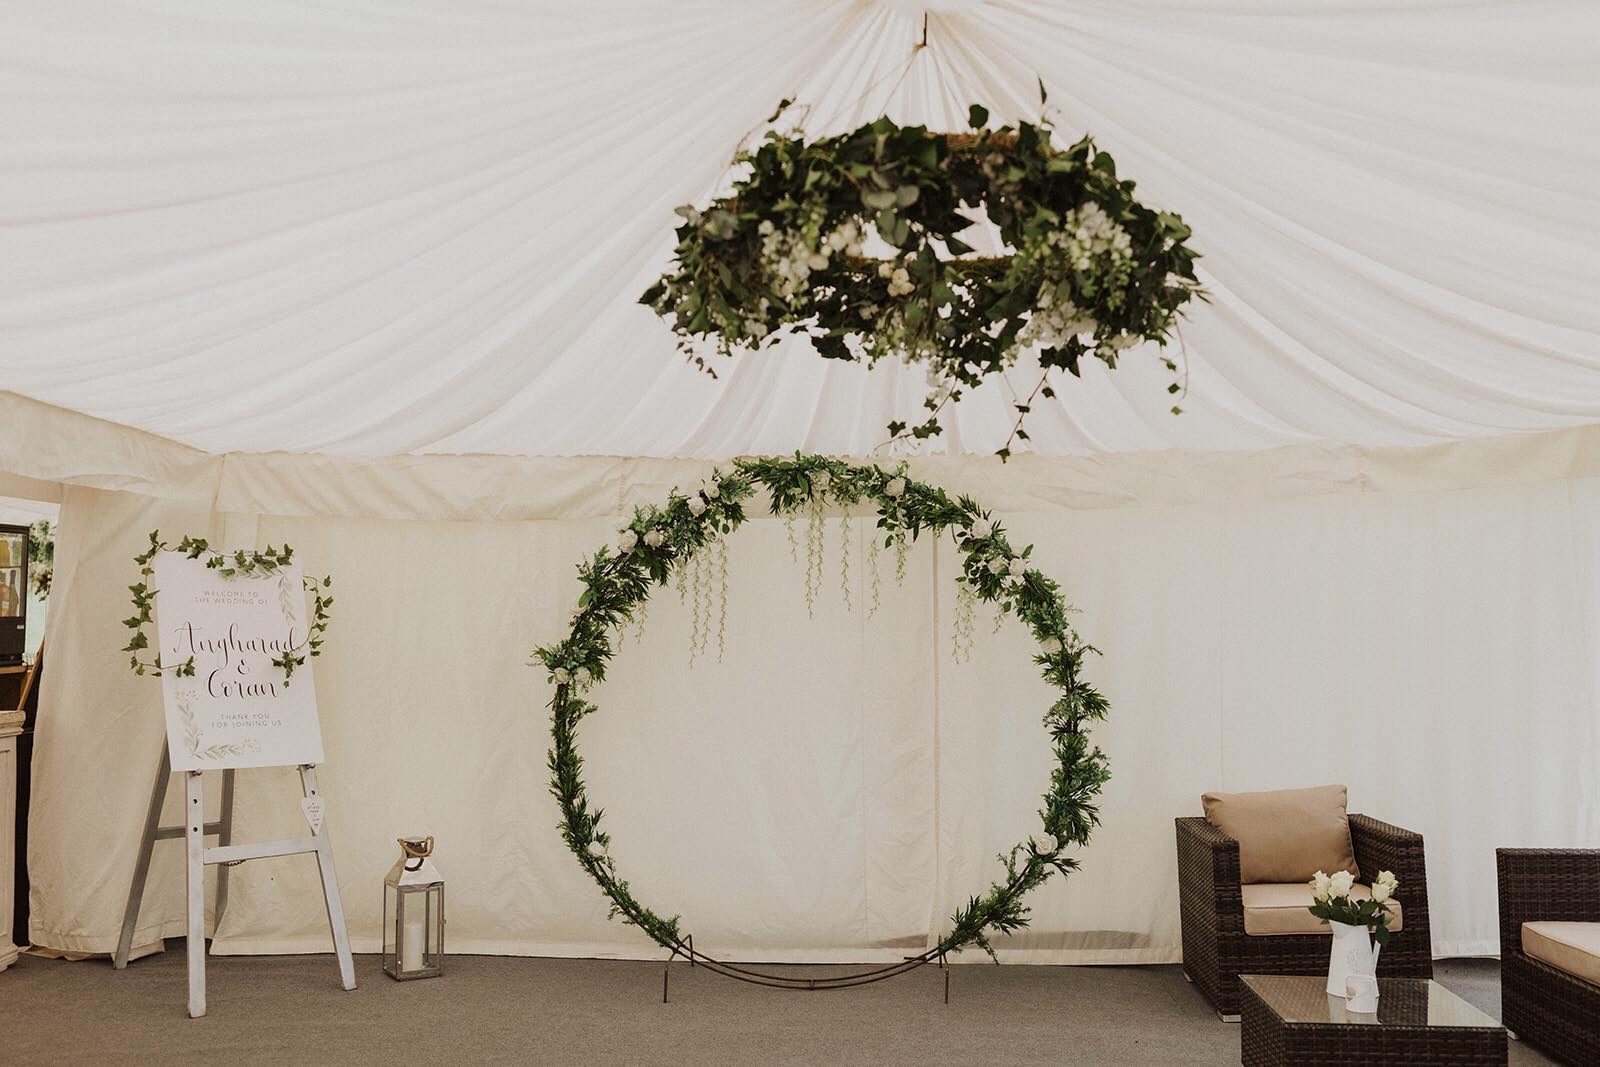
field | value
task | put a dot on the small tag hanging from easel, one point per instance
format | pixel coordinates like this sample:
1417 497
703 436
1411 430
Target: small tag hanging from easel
311 807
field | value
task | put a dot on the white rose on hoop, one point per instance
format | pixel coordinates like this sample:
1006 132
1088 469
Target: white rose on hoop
561 675
654 538
996 565
1050 646
697 507
894 487
1017 567
980 529
627 541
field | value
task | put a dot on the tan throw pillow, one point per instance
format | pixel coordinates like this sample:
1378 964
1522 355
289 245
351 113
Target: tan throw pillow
1286 835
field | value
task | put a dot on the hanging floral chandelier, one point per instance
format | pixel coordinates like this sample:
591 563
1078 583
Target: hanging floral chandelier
1089 270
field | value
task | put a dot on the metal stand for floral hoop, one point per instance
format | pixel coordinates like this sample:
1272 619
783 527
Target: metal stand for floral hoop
685 948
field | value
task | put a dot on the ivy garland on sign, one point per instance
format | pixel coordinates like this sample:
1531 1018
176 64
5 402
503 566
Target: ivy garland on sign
236 564
618 581
1091 271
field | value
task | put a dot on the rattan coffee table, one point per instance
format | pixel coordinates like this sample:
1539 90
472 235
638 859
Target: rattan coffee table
1292 1020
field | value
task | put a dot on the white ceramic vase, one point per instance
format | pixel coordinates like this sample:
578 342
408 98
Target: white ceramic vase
1354 952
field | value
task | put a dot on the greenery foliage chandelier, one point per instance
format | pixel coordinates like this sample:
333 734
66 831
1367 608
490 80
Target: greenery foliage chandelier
1089 270
617 583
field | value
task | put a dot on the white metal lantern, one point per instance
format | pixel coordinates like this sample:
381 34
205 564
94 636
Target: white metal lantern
413 913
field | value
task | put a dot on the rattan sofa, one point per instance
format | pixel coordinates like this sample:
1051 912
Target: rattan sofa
1547 1007
1216 949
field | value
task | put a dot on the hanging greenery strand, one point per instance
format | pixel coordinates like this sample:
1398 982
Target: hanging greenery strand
872 570
844 562
722 600
617 582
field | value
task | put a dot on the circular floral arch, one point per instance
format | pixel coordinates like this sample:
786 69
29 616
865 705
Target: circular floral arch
617 583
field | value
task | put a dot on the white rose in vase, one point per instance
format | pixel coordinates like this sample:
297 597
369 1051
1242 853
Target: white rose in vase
1320 883
1381 892
1339 883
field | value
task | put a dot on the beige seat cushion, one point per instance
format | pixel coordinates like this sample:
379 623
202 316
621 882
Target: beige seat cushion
1286 835
1568 946
1285 908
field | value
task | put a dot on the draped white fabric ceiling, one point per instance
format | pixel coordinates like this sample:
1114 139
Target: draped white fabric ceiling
388 226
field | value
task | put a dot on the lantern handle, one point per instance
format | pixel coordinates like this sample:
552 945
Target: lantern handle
415 849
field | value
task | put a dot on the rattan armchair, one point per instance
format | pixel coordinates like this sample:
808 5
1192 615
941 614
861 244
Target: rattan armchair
1216 950
1556 1012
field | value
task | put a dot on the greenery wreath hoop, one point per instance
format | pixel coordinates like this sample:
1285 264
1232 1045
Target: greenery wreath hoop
236 564
1089 270
618 581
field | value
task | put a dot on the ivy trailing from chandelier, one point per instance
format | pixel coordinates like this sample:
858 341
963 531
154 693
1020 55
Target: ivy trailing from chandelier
1089 272
663 541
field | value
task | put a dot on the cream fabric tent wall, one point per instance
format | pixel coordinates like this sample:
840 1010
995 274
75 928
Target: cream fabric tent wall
1419 623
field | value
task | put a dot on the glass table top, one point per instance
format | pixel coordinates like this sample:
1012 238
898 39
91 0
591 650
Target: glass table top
1401 1002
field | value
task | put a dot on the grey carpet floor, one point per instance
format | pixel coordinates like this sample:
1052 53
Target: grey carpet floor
486 1009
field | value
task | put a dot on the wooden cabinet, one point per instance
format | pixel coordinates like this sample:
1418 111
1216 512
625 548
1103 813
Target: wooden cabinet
10 727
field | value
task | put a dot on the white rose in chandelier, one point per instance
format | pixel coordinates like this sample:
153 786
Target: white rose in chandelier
820 480
1050 646
900 282
996 565
712 490
894 487
627 541
1017 567
654 538
582 677
697 507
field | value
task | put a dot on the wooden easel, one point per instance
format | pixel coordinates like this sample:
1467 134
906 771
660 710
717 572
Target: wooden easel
225 854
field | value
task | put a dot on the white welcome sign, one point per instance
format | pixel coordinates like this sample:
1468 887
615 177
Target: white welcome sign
236 710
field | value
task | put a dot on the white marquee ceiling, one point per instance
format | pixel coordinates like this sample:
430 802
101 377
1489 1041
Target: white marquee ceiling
387 226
